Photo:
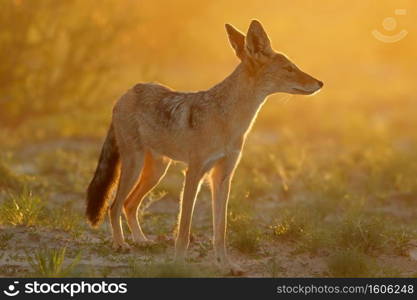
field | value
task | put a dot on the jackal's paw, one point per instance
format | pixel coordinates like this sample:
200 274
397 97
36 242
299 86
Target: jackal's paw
121 246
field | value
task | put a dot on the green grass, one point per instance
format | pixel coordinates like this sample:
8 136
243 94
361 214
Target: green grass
244 232
289 227
22 209
27 209
351 263
51 263
399 237
365 232
356 227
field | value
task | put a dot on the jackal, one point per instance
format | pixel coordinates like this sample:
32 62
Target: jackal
153 124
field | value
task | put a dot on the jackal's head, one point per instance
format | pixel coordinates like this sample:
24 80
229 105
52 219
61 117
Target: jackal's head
273 71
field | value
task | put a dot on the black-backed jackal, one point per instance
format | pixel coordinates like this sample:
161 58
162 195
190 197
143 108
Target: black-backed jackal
153 125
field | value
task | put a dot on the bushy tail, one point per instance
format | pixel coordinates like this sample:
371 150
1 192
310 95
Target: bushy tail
104 178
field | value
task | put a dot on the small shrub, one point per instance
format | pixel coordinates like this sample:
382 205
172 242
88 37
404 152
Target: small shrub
289 227
349 263
244 233
360 231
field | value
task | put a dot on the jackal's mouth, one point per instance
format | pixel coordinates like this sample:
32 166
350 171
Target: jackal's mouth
303 92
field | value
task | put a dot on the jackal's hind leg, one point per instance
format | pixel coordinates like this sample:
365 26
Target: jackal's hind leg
153 171
131 166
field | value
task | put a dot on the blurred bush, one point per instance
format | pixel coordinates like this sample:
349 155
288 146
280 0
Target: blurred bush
59 55
68 60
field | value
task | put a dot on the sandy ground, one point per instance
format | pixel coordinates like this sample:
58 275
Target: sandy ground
280 259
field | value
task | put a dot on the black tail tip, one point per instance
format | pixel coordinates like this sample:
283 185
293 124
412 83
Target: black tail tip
94 216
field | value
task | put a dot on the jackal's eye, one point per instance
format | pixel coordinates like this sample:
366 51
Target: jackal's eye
289 68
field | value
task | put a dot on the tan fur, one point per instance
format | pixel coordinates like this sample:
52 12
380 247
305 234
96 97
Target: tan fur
154 125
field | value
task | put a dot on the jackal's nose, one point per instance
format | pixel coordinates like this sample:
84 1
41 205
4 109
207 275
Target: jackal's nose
320 83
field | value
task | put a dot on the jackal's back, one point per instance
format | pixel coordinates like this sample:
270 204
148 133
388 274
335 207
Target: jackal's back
166 121
173 110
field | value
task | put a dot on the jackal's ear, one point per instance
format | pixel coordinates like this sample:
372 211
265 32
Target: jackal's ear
257 41
237 40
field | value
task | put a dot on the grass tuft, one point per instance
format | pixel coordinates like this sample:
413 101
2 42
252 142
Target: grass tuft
350 263
245 236
50 263
21 209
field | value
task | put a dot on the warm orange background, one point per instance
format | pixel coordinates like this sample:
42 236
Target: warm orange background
65 59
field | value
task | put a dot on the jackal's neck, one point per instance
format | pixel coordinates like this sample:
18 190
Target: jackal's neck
238 98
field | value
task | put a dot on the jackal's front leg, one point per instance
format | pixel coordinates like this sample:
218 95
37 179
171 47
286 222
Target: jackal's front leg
221 177
191 187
